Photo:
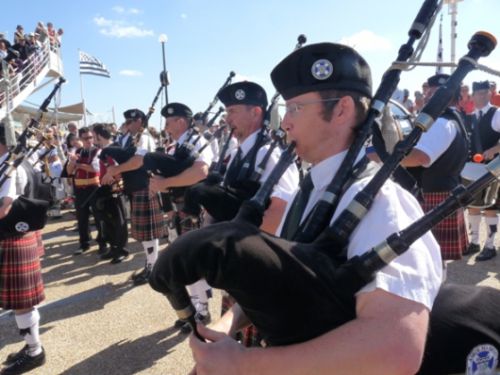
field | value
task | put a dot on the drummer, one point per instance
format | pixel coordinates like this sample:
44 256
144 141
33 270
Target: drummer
436 162
484 127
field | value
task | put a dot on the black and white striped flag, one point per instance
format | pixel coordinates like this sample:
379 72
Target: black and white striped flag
91 65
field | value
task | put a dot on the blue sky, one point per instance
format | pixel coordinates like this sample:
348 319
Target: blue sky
207 40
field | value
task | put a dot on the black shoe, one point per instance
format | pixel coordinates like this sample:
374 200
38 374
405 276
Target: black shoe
81 250
103 249
14 356
142 277
472 249
24 363
119 257
487 254
186 328
107 255
178 323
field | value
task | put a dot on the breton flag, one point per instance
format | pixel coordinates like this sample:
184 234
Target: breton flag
91 65
439 69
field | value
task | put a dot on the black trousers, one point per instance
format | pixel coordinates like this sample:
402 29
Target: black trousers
111 211
83 208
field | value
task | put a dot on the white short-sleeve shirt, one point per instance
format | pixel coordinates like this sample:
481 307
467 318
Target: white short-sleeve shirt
206 156
416 275
437 139
288 182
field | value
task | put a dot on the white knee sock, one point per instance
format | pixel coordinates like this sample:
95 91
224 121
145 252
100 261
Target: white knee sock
491 226
28 324
198 292
151 250
474 223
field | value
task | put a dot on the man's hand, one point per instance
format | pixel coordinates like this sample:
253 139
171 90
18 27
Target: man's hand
157 184
491 152
220 356
107 179
112 170
5 206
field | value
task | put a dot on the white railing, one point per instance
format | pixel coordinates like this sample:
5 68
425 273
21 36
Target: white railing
14 89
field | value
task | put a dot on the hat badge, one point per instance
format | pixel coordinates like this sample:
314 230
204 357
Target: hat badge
239 94
22 226
442 81
170 110
322 69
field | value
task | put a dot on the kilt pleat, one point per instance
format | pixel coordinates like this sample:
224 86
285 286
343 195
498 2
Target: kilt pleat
450 233
21 284
147 221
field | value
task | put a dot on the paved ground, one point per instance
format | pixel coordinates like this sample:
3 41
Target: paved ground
95 322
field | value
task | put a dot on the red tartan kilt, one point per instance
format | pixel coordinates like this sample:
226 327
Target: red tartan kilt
146 217
21 284
41 248
450 233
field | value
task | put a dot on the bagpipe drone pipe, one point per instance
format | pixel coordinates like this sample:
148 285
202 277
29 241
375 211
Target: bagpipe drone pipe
293 291
29 210
222 199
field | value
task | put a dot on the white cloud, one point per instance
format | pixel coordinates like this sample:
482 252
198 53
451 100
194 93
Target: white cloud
121 10
367 40
130 73
120 29
118 9
184 16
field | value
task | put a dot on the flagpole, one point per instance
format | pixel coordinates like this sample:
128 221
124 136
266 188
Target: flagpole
81 92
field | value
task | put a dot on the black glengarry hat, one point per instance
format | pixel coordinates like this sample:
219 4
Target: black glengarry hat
482 85
176 110
134 114
320 67
438 80
248 93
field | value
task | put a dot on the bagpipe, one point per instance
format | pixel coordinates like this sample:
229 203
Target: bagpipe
120 154
221 198
27 213
165 165
294 291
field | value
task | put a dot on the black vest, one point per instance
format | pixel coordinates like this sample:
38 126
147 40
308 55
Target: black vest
239 174
444 174
481 134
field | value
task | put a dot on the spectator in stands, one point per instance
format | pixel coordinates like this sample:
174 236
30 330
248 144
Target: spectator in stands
22 48
59 35
18 34
3 50
52 35
2 39
42 32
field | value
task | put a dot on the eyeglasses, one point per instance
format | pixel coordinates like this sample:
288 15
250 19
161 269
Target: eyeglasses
292 108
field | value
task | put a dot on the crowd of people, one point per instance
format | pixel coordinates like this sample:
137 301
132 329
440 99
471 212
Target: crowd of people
193 184
25 49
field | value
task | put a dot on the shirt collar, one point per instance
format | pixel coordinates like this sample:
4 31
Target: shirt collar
182 138
484 109
323 172
248 143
